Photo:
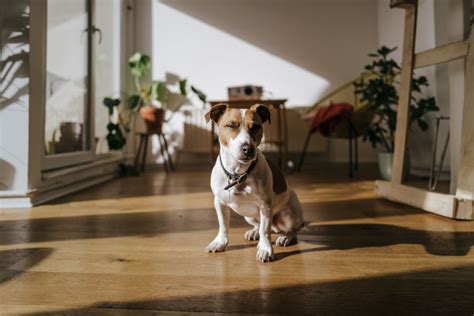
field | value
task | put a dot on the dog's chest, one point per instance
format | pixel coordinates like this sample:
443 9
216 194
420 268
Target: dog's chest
243 199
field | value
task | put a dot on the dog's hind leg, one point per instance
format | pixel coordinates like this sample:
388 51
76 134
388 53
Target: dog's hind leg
252 234
289 221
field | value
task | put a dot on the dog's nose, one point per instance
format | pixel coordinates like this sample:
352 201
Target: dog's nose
246 149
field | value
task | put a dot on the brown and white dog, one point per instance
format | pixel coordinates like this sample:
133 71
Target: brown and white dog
242 180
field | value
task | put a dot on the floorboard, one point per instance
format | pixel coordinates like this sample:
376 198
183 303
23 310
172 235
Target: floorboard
136 246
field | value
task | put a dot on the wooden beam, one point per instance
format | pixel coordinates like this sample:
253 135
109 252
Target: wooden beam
465 209
441 54
465 185
405 93
446 205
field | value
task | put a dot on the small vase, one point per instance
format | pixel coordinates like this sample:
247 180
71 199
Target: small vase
153 118
385 161
385 165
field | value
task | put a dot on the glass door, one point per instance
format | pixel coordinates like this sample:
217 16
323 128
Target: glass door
108 60
68 95
83 64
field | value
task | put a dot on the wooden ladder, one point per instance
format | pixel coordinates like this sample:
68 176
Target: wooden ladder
459 205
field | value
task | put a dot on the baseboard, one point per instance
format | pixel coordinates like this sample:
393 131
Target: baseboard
47 196
65 181
15 202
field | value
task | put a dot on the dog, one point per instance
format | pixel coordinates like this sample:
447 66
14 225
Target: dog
244 181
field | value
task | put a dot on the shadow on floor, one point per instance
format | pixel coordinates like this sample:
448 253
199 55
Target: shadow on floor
354 236
14 262
146 224
175 221
433 292
355 209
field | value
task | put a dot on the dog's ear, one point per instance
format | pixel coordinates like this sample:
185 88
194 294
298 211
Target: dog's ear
216 112
263 111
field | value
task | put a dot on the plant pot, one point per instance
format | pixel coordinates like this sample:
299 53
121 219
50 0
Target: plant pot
71 130
71 137
153 118
385 161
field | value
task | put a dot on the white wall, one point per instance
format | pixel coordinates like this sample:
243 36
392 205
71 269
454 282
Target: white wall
296 49
455 28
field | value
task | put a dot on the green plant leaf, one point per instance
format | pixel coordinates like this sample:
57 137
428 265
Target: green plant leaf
183 87
200 94
383 51
380 95
163 93
139 64
422 124
154 90
133 102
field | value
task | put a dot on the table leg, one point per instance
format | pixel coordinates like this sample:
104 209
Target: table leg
145 151
356 153
137 155
285 137
351 174
165 162
170 160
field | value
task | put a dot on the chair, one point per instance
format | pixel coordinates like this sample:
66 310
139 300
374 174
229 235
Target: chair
339 114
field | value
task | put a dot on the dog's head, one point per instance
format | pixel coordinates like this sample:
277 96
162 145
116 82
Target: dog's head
240 130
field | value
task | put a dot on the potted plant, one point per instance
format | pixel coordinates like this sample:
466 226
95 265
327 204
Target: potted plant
379 92
152 100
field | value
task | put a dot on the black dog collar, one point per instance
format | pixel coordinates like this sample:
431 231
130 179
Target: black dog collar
234 179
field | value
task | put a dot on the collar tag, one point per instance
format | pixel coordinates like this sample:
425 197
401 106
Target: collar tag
234 182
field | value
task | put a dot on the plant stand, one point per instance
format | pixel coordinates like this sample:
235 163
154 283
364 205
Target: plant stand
143 149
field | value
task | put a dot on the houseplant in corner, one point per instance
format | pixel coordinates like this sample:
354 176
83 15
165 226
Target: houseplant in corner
152 100
379 92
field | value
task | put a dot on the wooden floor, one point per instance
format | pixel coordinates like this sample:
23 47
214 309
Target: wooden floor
136 245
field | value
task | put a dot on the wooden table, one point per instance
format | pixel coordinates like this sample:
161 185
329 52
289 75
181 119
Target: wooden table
276 104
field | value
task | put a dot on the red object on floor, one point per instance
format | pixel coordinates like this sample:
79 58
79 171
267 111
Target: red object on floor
328 117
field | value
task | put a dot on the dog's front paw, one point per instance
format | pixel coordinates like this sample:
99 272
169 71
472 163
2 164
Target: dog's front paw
264 252
217 245
252 235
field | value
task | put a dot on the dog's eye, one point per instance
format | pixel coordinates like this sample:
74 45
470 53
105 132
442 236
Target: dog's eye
232 125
